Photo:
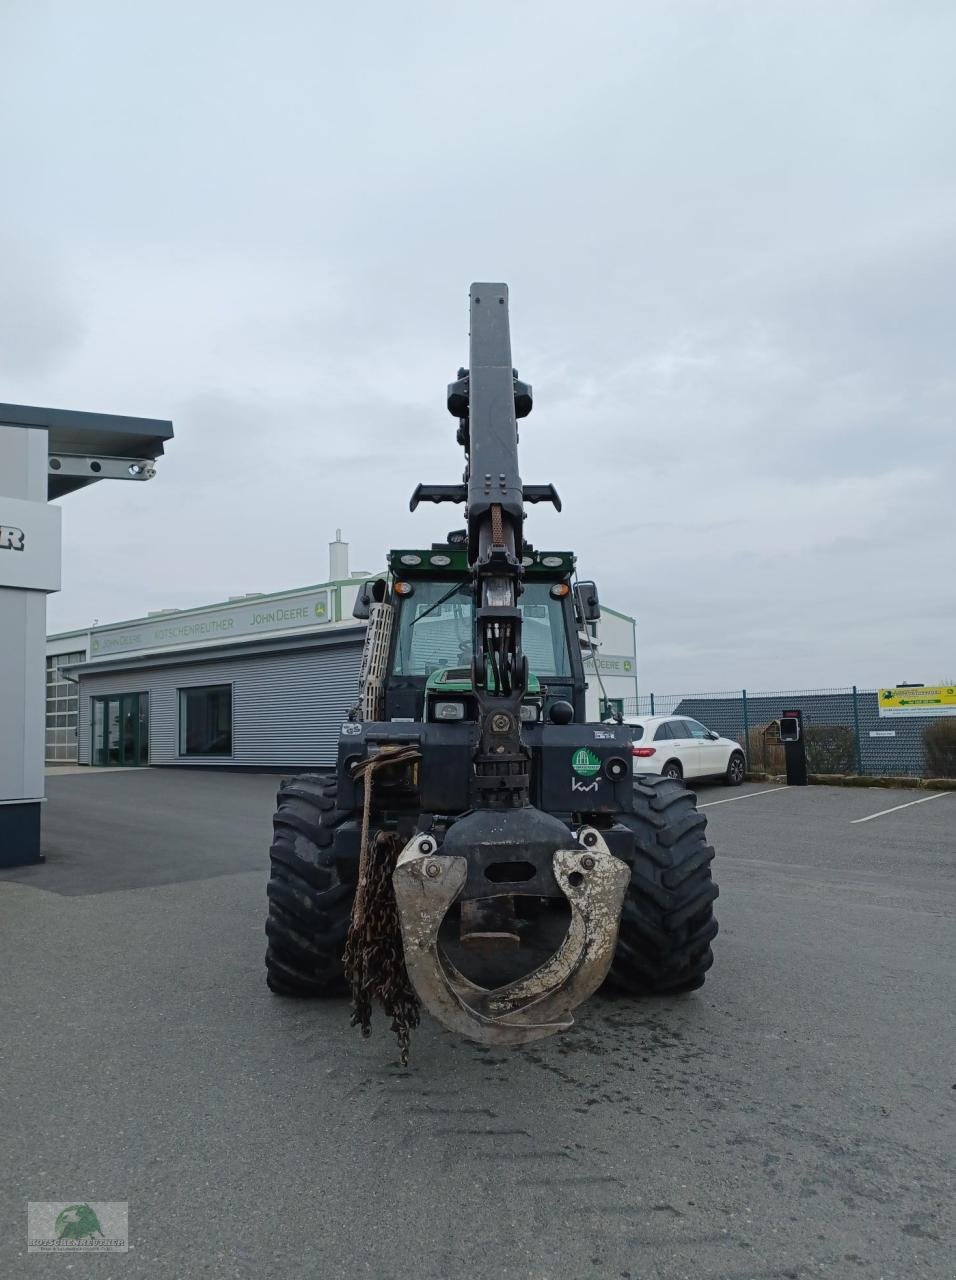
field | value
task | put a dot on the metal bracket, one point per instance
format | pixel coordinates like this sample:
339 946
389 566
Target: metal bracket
74 464
426 883
437 493
541 493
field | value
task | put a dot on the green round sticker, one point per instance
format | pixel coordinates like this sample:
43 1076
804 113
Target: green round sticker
585 763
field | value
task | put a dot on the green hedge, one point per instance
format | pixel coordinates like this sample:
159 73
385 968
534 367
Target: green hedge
831 748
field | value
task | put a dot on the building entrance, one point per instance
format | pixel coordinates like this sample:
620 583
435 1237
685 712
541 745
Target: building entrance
121 730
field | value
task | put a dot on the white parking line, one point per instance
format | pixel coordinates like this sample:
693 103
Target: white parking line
925 800
749 796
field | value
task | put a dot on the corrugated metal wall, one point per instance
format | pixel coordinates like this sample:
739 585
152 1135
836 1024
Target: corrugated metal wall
287 708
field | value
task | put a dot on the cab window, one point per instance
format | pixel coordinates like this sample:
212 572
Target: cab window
435 629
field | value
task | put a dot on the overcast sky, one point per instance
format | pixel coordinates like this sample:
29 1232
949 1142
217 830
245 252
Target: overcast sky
729 230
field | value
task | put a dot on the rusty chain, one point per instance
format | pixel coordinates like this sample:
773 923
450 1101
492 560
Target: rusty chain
374 957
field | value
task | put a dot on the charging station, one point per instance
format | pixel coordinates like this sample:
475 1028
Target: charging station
44 454
795 747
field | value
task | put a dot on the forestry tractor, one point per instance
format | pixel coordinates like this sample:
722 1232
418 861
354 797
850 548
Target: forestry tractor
482 850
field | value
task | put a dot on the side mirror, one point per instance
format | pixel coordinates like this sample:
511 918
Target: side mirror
369 593
713 736
587 602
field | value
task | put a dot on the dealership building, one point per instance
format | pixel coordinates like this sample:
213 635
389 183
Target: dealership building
257 681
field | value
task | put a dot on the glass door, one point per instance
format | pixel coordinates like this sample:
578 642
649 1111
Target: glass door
143 714
120 729
99 742
113 731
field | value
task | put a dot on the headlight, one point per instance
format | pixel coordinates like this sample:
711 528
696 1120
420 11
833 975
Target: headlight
449 711
529 711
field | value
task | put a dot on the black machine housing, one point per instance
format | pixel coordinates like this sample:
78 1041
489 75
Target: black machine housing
520 768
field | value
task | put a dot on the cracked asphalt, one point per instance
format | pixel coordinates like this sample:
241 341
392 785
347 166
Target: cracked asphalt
795 1118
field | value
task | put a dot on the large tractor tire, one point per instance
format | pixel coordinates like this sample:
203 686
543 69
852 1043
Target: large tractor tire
310 904
667 922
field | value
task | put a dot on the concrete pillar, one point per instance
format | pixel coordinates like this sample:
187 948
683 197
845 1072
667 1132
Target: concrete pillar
29 568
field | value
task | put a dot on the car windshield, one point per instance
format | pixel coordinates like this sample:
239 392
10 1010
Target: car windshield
637 732
434 630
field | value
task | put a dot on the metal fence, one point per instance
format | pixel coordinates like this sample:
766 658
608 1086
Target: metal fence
843 728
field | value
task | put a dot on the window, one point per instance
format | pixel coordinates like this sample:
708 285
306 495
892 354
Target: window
637 732
435 630
664 731
696 729
205 721
62 702
543 636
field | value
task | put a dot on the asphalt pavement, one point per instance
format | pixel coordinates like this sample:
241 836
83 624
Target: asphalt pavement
795 1118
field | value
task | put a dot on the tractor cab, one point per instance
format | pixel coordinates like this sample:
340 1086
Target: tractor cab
430 648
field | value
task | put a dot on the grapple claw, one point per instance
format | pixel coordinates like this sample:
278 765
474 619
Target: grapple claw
538 1004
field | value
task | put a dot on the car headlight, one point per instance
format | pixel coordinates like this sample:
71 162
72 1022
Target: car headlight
529 711
449 711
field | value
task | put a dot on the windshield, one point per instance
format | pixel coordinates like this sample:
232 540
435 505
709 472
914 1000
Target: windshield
435 632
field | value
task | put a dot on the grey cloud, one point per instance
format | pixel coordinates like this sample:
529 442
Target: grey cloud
728 234
40 322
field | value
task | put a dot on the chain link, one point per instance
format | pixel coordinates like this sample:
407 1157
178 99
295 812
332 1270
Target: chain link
374 957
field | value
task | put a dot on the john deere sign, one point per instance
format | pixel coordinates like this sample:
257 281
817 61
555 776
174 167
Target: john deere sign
917 700
248 617
610 664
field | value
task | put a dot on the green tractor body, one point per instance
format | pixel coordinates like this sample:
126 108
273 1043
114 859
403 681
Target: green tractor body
529 862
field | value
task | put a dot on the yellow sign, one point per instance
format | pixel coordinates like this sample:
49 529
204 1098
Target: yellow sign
918 700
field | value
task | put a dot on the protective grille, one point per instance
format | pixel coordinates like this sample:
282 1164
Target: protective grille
375 661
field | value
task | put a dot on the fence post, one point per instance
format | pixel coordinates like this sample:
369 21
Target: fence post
856 729
743 694
652 704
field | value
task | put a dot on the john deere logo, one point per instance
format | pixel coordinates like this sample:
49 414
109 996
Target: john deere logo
585 763
77 1222
11 539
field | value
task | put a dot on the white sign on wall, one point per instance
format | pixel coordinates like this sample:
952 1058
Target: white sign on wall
610 664
249 617
29 545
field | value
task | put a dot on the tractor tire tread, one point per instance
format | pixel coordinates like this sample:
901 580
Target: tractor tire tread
667 921
310 906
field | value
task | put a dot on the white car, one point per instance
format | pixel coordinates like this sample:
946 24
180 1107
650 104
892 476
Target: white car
679 747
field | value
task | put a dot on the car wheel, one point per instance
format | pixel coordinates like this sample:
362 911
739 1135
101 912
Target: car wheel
673 770
736 769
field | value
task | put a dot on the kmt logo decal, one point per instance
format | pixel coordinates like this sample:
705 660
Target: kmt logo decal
11 538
